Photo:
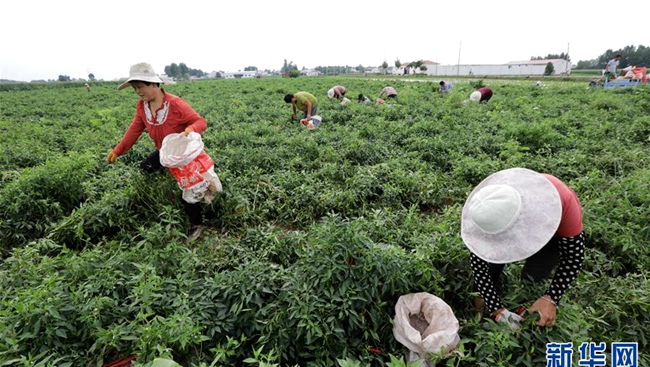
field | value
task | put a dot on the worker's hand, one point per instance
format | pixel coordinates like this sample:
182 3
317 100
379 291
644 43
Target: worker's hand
188 130
547 311
111 157
512 319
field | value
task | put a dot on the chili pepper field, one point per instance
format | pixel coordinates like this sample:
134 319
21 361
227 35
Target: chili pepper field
317 232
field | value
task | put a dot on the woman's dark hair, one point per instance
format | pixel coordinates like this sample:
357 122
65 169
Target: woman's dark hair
442 82
288 98
145 83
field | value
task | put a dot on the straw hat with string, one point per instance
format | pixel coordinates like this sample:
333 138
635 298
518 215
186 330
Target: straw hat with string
141 72
510 215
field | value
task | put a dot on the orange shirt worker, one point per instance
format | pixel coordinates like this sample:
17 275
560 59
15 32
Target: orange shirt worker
161 114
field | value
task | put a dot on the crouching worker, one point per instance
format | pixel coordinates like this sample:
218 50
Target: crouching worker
161 114
518 214
481 95
337 91
361 98
304 102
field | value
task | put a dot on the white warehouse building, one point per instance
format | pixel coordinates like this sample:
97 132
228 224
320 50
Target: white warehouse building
514 68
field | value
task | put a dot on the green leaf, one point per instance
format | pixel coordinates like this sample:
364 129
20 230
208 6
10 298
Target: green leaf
61 333
162 362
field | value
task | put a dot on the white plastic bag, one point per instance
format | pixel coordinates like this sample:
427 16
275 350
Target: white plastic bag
191 166
204 191
425 324
179 150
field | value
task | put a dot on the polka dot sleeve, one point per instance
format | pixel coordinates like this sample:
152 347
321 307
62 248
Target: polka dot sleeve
485 284
572 254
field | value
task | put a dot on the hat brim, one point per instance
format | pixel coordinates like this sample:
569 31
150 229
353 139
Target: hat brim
142 78
537 222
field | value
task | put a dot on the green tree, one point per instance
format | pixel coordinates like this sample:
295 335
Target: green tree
173 71
64 78
183 71
287 67
294 73
196 72
384 65
417 65
360 68
630 55
250 68
398 63
91 77
561 55
549 69
587 64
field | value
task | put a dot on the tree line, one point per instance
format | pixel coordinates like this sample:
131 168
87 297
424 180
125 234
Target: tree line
630 55
181 71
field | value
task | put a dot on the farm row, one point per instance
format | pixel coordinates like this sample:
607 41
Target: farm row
317 232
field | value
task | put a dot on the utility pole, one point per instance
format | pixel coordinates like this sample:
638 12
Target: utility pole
458 67
566 66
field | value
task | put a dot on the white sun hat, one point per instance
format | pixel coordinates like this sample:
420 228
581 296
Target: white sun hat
475 96
510 215
330 93
142 72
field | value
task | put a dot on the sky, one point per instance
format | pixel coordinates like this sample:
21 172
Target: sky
42 39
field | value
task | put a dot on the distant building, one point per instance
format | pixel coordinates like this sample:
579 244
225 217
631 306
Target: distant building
513 68
405 69
239 74
167 79
213 74
310 72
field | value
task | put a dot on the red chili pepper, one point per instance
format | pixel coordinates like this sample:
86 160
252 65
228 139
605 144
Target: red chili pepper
351 261
521 311
375 350
124 362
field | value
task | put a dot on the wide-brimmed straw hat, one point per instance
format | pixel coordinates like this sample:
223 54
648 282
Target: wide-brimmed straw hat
510 215
141 72
475 96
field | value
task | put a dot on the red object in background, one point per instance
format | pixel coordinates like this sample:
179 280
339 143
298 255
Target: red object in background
124 362
351 261
375 350
521 311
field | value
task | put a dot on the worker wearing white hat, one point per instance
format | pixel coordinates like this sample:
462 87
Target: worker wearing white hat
519 214
160 114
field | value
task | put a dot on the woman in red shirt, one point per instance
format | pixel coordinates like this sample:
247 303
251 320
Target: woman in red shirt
161 114
518 214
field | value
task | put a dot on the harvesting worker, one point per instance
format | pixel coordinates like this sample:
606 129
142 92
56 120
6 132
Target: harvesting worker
337 91
303 101
518 214
361 98
389 91
161 114
445 86
612 67
481 95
